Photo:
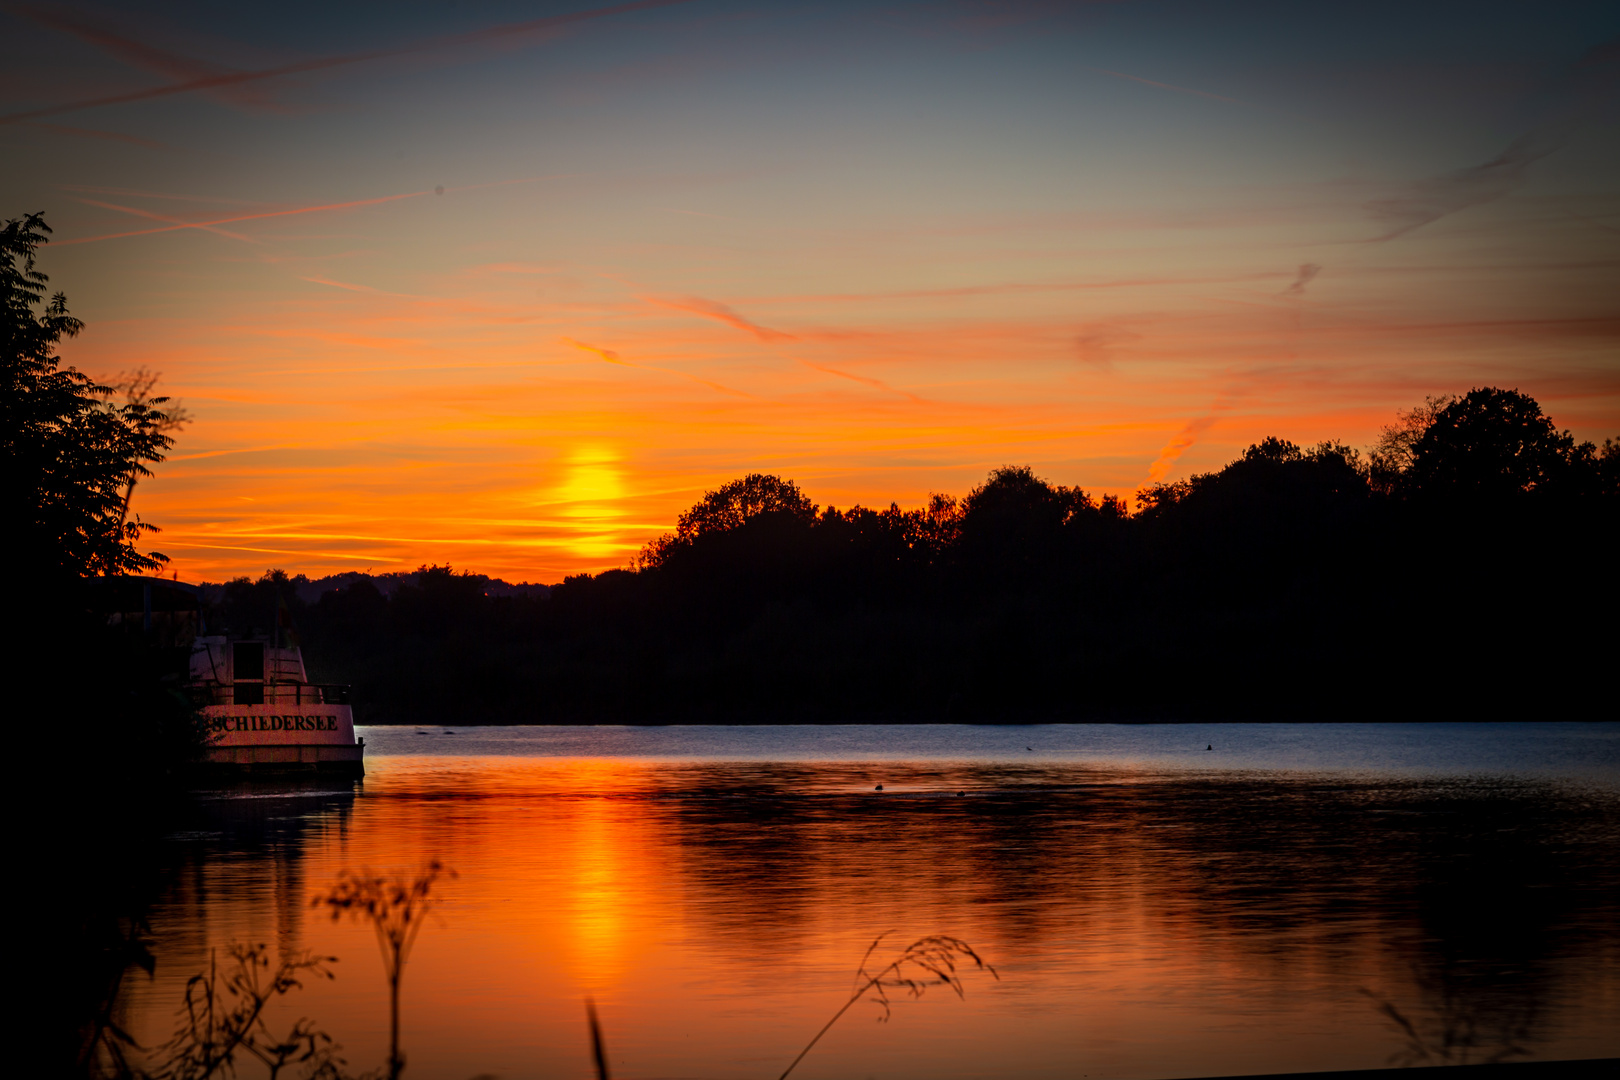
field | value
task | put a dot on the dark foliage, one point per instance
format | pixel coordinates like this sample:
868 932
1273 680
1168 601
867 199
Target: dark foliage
72 458
72 454
99 706
1459 571
1494 444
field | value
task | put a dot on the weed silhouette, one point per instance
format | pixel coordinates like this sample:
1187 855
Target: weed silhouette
396 909
929 961
222 1019
1451 1037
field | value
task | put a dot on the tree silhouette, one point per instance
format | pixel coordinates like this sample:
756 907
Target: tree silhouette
733 504
1490 443
1391 457
72 454
730 507
1291 583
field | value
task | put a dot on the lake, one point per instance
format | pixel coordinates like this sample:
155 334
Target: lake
1157 901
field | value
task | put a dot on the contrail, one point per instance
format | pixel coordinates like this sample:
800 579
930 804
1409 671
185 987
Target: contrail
237 78
242 217
177 222
210 225
1582 98
160 62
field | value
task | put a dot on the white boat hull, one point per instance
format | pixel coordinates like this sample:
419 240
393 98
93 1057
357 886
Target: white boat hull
284 737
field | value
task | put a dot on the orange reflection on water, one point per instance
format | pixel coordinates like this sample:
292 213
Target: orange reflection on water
1144 926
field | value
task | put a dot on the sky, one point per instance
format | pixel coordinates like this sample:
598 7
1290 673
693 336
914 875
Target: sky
509 285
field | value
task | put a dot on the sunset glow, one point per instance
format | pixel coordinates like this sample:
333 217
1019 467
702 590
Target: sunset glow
511 288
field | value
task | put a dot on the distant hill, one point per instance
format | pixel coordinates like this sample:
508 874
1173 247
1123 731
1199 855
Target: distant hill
310 590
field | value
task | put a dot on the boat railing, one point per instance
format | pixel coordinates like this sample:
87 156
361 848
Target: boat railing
268 693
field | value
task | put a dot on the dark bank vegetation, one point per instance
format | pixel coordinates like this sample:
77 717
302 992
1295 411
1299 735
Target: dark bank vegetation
97 706
75 449
1463 568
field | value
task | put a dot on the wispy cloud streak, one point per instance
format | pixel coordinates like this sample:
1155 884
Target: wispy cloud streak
1585 95
1430 200
709 309
612 357
876 384
208 225
1177 446
226 79
1307 274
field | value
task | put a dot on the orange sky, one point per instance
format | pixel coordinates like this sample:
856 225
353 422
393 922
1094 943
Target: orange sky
877 265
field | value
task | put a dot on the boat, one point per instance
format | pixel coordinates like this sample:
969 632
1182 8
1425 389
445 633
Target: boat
264 715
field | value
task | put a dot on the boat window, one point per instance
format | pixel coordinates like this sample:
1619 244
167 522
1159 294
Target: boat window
248 660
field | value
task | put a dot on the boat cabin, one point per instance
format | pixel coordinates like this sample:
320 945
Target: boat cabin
255 672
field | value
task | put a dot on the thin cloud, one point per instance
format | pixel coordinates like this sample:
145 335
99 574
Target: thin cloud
206 225
227 79
1097 343
1307 274
709 309
864 380
1583 97
141 55
154 216
612 357
1177 446
1018 287
351 287
1428 201
606 354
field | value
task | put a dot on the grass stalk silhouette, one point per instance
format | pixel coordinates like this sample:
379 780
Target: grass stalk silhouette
1456 1036
396 909
598 1052
222 1018
928 961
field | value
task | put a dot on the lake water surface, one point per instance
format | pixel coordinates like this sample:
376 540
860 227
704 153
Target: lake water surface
1153 908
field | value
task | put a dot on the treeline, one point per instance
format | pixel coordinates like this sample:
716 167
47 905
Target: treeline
309 590
1462 569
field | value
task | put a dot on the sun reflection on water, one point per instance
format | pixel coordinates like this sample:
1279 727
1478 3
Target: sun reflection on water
1143 927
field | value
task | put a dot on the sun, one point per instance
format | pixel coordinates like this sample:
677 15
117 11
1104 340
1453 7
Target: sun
593 484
